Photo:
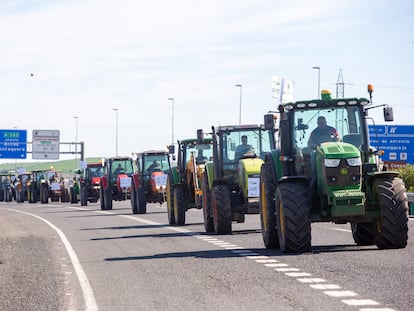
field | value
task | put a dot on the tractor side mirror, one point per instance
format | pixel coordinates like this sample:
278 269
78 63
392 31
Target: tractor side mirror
388 114
269 121
200 136
171 149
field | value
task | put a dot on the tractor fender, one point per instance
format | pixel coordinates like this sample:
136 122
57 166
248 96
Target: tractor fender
273 157
135 180
209 169
175 175
104 181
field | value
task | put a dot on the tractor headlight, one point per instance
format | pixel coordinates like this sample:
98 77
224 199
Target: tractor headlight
332 162
354 161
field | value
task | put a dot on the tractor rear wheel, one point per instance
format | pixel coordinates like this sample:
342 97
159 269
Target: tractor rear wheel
206 204
108 199
84 195
221 206
44 195
170 200
364 233
179 206
102 196
134 202
267 206
142 201
293 222
393 223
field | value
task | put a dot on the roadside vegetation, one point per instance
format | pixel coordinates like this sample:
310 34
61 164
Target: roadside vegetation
65 166
407 174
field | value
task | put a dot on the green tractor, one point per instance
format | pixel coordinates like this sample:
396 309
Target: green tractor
184 186
230 184
329 174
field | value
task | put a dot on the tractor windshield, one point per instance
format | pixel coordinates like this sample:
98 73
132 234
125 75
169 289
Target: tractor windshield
315 126
246 142
203 152
122 166
156 163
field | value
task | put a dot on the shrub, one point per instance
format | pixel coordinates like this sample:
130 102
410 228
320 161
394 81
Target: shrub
407 175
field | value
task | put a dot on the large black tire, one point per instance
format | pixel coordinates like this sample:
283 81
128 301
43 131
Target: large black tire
19 196
170 200
179 206
142 201
8 195
134 197
84 195
206 204
267 206
32 195
221 207
102 197
393 204
108 199
293 221
44 194
364 233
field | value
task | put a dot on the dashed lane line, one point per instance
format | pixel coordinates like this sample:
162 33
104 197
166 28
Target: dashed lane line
315 283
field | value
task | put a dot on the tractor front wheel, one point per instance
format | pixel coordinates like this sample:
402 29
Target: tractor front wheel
206 204
221 206
84 195
134 201
364 234
142 201
179 206
108 199
293 222
393 223
267 206
170 200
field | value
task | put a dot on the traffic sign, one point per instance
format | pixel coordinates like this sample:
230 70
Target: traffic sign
45 144
13 144
397 141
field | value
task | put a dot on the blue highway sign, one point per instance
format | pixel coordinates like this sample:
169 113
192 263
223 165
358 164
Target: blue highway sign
397 141
13 144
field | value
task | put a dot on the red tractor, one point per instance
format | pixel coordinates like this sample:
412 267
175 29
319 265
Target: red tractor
116 180
90 183
150 181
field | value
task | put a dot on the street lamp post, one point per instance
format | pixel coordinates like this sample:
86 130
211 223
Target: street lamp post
240 103
116 130
319 80
76 141
172 120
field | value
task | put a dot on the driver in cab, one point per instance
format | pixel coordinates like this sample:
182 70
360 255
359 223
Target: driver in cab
323 133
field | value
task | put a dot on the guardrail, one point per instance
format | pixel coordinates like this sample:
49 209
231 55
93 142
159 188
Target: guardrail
410 196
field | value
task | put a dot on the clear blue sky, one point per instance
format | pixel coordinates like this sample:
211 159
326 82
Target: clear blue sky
90 56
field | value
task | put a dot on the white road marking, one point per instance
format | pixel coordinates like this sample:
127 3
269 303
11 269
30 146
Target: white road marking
302 277
360 302
86 288
340 293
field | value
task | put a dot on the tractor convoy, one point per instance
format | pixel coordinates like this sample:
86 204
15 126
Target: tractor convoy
309 162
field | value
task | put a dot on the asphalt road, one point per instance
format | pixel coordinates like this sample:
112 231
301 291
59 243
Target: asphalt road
67 257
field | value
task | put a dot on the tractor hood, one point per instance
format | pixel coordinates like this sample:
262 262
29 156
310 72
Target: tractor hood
249 176
338 150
